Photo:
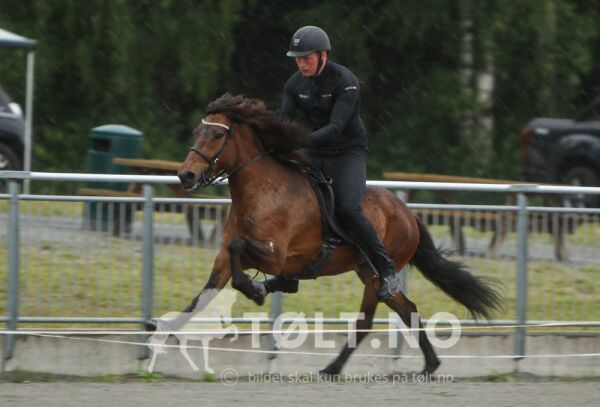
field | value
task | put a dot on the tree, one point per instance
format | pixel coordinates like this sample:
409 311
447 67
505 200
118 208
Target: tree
446 86
149 65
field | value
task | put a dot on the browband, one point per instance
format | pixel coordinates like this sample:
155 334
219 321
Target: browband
216 124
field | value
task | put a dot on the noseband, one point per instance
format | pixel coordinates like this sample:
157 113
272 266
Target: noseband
208 177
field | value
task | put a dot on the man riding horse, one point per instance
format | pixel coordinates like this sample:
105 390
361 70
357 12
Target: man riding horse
328 94
275 223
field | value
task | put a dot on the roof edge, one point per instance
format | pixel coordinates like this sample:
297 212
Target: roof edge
12 40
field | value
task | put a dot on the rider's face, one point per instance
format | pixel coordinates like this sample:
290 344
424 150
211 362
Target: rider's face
307 65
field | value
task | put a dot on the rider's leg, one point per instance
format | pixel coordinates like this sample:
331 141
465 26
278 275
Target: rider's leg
348 172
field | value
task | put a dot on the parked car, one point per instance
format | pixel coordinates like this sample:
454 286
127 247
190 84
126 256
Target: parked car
564 151
12 135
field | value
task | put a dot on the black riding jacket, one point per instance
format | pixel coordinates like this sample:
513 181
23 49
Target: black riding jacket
331 104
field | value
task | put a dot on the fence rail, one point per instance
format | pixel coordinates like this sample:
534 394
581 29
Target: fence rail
62 269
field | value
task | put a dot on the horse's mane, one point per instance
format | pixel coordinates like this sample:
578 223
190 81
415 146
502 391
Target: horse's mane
283 137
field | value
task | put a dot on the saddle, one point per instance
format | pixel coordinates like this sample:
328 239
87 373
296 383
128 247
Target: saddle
333 232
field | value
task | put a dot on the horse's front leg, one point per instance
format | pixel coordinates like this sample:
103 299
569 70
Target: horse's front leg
220 275
257 253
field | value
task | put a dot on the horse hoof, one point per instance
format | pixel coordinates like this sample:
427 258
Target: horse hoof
260 292
430 368
150 326
426 375
258 299
329 373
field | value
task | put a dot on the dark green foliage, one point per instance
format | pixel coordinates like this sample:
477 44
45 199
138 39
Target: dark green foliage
154 65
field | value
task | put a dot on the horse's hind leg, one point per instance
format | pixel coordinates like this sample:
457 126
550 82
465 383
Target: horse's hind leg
364 323
405 308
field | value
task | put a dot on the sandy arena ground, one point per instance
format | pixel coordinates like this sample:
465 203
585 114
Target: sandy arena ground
166 393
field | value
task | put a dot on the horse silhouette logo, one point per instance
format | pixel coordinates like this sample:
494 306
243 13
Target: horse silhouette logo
216 308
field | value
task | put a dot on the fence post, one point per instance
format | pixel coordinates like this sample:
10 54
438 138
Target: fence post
147 264
522 234
275 312
12 302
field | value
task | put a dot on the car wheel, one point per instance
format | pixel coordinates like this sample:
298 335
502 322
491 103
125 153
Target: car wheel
8 162
583 176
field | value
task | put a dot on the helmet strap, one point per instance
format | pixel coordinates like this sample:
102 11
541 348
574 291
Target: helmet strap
319 64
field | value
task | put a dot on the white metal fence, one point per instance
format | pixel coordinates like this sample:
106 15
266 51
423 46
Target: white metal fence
103 260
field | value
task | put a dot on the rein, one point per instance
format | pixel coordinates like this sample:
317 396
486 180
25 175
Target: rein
208 177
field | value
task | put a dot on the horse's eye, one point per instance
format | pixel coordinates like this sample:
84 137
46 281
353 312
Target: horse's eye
219 135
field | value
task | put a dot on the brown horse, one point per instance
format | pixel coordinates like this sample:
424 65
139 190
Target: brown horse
274 224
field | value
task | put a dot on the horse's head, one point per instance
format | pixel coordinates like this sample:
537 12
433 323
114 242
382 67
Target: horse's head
237 132
203 163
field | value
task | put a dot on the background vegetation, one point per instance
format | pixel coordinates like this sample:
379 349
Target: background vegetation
446 85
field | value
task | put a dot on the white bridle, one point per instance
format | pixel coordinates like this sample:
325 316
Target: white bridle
215 124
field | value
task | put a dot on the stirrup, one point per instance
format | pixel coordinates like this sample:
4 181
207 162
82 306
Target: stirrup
389 286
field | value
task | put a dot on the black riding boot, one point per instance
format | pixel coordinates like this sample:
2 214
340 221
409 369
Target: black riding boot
348 172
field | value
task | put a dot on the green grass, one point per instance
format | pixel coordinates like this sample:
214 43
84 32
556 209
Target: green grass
501 378
208 377
47 209
78 283
96 275
75 210
149 377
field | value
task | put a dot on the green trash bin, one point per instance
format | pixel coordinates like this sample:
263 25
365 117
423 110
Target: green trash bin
107 142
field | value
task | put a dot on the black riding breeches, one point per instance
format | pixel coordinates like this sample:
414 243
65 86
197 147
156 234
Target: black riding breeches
349 175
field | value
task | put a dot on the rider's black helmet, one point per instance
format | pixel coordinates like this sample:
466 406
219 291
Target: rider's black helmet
308 39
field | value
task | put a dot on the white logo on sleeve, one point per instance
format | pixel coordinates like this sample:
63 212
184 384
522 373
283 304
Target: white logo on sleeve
353 87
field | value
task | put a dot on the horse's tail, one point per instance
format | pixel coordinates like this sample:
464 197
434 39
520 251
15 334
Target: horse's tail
480 295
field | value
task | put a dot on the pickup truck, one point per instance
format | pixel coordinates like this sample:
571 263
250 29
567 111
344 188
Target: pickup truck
564 151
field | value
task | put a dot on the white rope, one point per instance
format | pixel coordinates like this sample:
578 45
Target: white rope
282 331
332 353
